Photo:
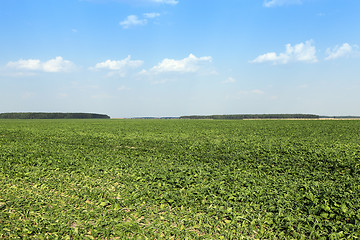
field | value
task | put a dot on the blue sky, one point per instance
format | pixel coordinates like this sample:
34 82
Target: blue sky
131 58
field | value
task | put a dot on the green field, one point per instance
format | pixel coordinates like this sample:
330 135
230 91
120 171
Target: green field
179 179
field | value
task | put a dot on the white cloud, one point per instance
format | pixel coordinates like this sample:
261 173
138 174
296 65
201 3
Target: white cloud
17 74
186 65
172 70
257 91
123 88
274 3
120 64
131 21
344 50
57 64
118 67
151 15
302 52
30 64
229 80
171 2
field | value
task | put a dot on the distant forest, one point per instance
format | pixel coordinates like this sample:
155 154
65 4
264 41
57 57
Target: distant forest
254 116
34 115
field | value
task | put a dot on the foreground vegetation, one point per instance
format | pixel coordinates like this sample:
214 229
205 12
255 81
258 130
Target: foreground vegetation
179 179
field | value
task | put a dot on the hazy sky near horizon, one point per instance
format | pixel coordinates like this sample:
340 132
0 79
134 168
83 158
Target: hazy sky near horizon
132 58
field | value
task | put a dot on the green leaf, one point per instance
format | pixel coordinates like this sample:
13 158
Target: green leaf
324 215
344 208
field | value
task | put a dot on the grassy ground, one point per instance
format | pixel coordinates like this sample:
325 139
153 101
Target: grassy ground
179 179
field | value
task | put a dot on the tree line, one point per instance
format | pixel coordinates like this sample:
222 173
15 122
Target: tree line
40 115
254 116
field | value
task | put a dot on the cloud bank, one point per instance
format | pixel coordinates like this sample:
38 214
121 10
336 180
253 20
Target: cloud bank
186 65
344 50
302 52
57 64
118 67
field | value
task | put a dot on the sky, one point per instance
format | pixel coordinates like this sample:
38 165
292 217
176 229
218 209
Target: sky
136 58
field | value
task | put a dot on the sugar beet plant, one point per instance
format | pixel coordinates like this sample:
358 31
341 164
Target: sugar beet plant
179 179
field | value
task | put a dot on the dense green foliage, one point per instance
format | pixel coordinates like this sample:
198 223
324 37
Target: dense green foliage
179 179
41 115
254 116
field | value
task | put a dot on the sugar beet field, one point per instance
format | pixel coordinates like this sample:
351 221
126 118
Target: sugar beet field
179 179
